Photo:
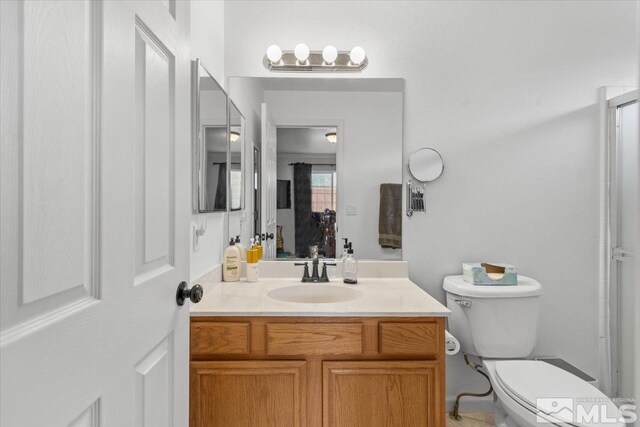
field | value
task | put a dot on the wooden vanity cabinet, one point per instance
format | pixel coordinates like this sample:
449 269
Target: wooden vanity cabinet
317 372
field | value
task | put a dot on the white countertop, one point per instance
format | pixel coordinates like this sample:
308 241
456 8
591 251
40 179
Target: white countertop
381 297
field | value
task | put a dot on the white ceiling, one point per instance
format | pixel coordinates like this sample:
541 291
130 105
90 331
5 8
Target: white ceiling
305 140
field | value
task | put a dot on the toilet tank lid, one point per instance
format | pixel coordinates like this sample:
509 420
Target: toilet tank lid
526 287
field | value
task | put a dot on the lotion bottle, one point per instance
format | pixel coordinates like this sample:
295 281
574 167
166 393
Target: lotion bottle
231 263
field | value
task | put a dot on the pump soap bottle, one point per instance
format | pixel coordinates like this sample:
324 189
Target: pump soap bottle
345 248
259 246
252 264
350 267
231 263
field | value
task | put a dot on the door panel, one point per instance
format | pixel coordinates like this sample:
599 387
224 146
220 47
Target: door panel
269 180
94 183
380 394
248 394
154 152
48 127
153 397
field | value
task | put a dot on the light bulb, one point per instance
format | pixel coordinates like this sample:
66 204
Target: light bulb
274 53
357 55
329 54
302 52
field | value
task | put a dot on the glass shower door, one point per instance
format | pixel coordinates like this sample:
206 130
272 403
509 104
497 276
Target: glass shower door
625 223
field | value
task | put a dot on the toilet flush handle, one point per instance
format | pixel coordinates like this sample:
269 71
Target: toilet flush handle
463 302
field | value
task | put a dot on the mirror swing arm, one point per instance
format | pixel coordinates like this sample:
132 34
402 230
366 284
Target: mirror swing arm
424 165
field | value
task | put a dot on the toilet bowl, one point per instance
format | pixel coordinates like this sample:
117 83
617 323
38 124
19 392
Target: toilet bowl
534 393
499 324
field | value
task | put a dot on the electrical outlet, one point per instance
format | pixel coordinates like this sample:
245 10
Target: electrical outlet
351 210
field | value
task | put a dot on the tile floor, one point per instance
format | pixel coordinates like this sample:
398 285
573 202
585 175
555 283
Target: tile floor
472 419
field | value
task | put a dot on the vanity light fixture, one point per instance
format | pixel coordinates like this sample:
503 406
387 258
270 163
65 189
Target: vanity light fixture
332 137
234 136
302 53
302 59
274 53
357 55
329 54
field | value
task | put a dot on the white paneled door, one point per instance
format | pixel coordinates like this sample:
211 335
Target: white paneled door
269 181
94 186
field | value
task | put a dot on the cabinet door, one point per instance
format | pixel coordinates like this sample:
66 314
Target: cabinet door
248 394
381 393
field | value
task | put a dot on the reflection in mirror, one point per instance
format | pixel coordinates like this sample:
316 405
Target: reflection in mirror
307 193
236 144
215 141
426 165
257 196
210 141
346 184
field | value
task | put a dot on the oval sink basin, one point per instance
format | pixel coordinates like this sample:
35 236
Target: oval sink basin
314 294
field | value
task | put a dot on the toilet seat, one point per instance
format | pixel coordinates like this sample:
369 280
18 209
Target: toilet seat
524 381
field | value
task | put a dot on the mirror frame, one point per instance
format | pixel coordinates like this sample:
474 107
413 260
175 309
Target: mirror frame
421 149
199 187
243 143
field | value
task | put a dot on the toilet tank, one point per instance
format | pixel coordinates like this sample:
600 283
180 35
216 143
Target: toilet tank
494 321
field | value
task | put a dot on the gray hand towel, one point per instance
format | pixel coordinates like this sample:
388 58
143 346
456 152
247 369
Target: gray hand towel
390 217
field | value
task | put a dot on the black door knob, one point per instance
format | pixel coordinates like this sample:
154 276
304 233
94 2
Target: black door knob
269 236
183 292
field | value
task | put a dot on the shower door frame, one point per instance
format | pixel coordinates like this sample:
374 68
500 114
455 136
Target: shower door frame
614 135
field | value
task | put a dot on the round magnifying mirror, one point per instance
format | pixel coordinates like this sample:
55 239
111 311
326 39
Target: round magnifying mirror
426 165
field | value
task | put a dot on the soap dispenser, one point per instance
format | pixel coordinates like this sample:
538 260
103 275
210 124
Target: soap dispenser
252 264
350 267
345 248
258 246
231 263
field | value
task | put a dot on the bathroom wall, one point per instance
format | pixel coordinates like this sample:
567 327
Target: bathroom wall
507 92
371 123
207 43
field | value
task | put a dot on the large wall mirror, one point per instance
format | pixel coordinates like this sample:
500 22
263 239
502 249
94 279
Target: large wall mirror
327 165
218 145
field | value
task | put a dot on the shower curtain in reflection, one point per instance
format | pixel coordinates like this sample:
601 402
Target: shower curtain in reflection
220 202
302 207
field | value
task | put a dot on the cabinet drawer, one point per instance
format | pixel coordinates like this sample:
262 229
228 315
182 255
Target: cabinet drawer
420 339
289 339
220 338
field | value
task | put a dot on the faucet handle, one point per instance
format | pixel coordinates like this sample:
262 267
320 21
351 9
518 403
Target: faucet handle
305 276
325 276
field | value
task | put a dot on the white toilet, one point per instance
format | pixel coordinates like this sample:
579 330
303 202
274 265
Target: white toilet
500 325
